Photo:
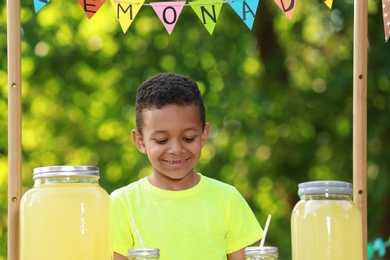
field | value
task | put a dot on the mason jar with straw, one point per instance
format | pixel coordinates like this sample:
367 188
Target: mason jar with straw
142 253
262 252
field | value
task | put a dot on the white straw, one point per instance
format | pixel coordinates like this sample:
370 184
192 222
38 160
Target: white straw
265 231
137 231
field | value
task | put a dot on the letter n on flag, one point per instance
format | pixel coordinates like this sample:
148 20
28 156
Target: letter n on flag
287 6
208 12
168 12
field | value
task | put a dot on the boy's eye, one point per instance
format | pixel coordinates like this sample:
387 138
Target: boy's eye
189 139
161 141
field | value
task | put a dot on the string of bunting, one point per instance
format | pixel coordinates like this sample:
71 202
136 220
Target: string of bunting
206 10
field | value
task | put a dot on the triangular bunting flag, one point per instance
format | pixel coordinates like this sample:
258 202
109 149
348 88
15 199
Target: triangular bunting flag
386 18
208 12
90 7
246 10
287 6
168 12
39 4
328 3
126 11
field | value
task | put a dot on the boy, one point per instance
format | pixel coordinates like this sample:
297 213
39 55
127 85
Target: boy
185 214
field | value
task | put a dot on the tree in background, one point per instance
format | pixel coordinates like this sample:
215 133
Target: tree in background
279 99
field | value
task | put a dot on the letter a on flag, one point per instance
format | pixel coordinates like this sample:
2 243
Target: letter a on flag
287 6
208 12
90 7
39 4
246 10
168 12
126 11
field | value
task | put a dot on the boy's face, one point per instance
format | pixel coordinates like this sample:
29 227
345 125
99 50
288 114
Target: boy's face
172 137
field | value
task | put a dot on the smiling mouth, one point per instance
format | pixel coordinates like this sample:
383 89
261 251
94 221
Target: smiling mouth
176 162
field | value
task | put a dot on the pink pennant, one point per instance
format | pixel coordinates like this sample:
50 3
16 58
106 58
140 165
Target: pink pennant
386 18
168 12
287 6
90 7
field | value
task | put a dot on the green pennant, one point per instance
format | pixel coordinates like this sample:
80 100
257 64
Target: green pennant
208 12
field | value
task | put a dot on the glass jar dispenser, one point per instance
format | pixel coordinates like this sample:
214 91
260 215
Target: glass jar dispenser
66 215
326 223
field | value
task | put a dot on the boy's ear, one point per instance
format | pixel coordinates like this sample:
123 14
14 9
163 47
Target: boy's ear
138 140
205 133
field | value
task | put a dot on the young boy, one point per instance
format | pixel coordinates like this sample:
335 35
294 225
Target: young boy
185 214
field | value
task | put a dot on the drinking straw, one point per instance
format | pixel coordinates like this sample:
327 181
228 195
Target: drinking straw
137 232
265 231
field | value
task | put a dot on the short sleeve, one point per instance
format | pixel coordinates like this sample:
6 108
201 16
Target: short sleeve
244 229
121 233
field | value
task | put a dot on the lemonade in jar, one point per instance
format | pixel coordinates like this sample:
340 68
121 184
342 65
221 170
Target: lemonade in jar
326 224
66 215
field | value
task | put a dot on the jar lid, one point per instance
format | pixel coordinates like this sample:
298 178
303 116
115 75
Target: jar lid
65 170
328 186
144 252
261 250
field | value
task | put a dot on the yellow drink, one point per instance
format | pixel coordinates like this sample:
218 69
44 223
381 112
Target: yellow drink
68 221
326 229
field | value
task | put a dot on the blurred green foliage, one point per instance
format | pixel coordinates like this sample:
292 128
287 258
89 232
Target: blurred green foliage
279 99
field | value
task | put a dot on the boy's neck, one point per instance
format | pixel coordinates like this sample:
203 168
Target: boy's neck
163 182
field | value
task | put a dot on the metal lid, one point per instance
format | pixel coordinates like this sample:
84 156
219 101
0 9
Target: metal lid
144 252
65 170
261 250
328 186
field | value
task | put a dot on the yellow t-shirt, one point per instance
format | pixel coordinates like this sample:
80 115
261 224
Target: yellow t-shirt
207 221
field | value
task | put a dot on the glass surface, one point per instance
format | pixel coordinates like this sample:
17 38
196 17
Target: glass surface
65 219
327 226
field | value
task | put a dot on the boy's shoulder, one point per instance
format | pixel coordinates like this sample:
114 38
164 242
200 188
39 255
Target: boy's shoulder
127 189
218 184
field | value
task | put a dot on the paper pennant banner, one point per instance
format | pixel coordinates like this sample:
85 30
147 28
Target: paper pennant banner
386 18
208 12
38 4
126 11
328 3
246 10
90 7
287 6
168 12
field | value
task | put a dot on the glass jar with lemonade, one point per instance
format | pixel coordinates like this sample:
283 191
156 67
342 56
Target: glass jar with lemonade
66 215
326 223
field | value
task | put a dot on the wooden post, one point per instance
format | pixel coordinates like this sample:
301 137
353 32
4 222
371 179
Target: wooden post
14 126
360 112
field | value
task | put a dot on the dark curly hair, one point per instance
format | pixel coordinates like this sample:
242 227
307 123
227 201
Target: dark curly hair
164 89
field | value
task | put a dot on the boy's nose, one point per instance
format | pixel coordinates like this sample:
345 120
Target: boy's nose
176 147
